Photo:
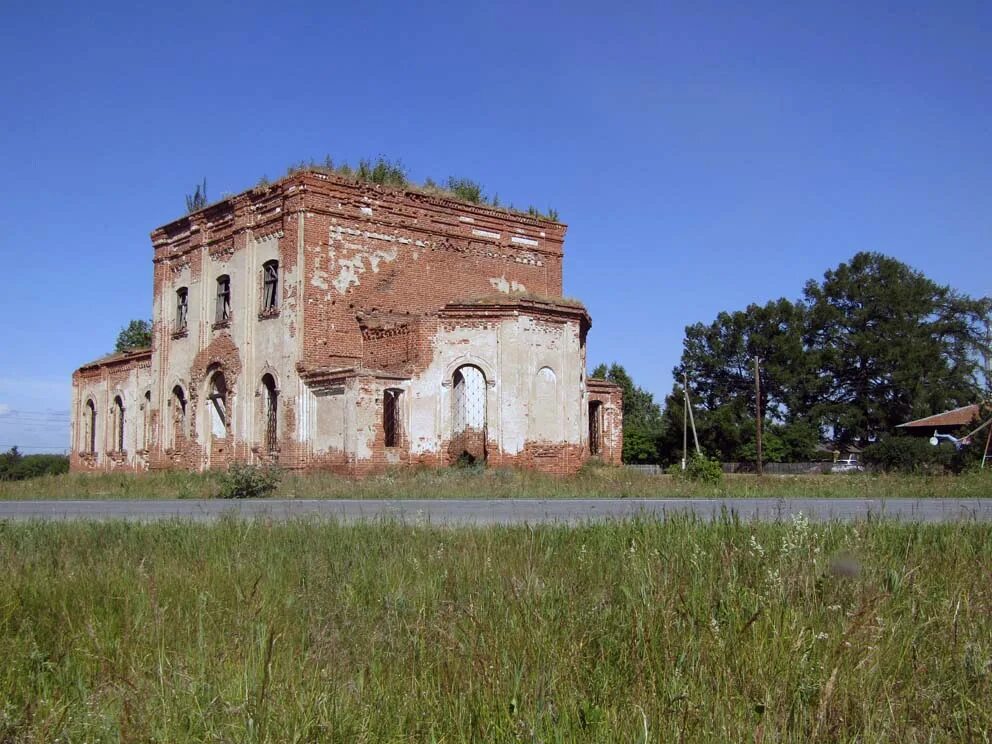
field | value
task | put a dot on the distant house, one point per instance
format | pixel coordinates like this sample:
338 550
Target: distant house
947 422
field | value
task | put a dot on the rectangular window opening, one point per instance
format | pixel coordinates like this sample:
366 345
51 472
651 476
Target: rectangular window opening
391 417
223 312
182 308
270 285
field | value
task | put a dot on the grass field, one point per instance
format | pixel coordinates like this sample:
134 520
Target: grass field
600 482
656 631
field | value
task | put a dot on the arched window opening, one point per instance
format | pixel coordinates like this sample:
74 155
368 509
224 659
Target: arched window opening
469 399
182 309
178 405
270 412
595 427
146 417
223 310
118 424
217 403
391 419
90 432
468 415
270 285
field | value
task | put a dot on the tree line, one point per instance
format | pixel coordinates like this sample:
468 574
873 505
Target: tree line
16 466
873 344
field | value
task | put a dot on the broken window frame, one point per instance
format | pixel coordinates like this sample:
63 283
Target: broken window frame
217 399
270 287
182 309
392 421
222 312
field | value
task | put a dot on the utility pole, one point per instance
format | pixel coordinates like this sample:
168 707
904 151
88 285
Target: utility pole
988 360
757 407
692 419
685 430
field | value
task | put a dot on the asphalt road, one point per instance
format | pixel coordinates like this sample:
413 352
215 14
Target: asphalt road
502 511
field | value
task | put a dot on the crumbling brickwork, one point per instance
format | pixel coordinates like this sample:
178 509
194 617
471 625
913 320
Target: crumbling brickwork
324 323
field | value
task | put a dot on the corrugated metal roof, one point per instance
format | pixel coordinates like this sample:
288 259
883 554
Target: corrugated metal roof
957 417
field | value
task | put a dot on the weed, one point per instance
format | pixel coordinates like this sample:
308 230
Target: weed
248 482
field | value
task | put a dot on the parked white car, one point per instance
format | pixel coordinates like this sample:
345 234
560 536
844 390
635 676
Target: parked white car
847 465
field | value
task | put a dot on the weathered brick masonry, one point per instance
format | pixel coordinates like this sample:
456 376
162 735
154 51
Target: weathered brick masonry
326 323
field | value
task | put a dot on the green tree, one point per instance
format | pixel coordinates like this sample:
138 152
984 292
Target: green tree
891 345
875 344
642 419
719 362
135 335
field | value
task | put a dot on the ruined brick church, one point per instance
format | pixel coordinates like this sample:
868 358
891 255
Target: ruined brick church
322 322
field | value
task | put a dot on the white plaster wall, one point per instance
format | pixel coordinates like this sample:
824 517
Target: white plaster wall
511 352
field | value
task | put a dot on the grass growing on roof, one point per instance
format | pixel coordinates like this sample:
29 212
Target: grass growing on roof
386 172
657 631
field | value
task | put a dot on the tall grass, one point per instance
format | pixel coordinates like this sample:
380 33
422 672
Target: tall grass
646 631
498 483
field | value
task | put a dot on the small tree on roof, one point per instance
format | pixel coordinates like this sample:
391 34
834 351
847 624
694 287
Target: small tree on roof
135 335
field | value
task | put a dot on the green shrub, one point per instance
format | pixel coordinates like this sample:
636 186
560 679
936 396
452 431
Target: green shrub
698 468
242 481
909 455
466 189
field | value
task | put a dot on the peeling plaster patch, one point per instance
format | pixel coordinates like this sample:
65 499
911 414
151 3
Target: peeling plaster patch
367 210
466 219
352 268
485 234
319 277
367 234
502 284
523 241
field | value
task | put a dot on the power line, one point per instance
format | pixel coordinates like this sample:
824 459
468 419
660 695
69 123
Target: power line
33 417
51 412
60 447
16 420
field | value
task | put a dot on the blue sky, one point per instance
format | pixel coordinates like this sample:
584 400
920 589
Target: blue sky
704 155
